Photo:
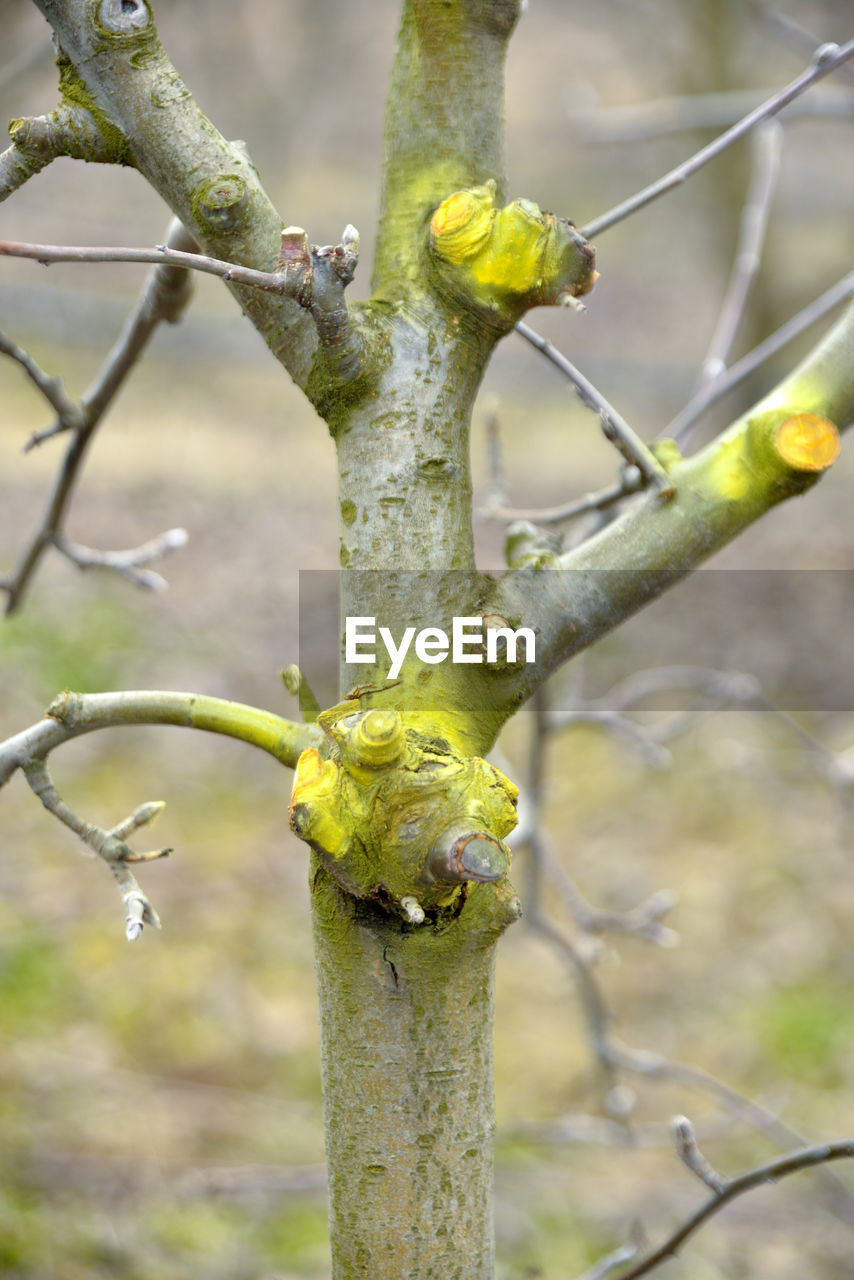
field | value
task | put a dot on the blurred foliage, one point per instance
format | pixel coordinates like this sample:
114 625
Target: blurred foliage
160 1104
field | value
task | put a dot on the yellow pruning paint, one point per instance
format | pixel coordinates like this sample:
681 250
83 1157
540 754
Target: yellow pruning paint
398 816
463 222
807 442
506 260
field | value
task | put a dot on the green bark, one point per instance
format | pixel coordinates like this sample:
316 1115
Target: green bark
409 891
406 1018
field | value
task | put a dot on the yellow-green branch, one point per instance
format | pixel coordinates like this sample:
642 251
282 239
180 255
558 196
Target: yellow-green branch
73 714
779 449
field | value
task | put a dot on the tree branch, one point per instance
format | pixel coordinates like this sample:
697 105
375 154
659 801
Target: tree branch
164 298
69 130
615 428
582 949
109 845
766 151
68 413
773 1171
126 563
757 463
314 277
680 428
444 124
278 282
115 65
825 60
685 113
73 714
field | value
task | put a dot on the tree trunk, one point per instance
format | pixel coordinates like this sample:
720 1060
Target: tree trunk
406 1018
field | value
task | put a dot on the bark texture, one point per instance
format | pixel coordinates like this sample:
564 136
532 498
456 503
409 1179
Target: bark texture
406 1016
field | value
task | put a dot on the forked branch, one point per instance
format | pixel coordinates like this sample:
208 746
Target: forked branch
109 845
71 715
729 1189
164 298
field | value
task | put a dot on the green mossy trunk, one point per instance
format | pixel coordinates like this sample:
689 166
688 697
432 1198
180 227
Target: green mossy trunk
406 1017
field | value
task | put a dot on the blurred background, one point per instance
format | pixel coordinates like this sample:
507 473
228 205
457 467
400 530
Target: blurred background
159 1104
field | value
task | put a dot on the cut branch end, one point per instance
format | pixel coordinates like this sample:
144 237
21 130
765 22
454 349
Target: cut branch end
807 442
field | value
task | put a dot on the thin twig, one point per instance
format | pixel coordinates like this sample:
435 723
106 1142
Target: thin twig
126 563
628 484
797 36
825 60
314 276
685 113
680 427
52 389
614 1059
597 1014
615 428
162 254
773 1171
108 845
610 1262
164 298
71 715
692 1157
766 151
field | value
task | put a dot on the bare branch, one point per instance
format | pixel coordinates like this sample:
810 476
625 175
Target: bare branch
614 427
269 281
766 151
164 298
773 1171
71 715
825 60
315 277
691 1155
108 845
52 389
125 563
628 484
652 545
613 1059
684 113
610 1262
680 428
